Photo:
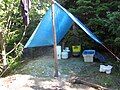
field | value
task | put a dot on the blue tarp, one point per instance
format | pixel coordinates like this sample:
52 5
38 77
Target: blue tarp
43 35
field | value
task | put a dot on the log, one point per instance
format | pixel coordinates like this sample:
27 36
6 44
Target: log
77 80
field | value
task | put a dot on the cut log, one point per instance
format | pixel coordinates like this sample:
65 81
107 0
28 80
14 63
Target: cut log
77 80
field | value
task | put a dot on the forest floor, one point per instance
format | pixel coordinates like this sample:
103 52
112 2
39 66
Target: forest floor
37 74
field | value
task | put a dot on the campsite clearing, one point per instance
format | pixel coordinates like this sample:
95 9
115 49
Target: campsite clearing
43 67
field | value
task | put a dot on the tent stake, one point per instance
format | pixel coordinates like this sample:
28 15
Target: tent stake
55 43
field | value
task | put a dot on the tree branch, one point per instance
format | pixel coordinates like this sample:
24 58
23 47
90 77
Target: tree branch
18 42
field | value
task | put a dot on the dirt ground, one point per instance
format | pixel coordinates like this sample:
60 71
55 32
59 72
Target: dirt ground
28 82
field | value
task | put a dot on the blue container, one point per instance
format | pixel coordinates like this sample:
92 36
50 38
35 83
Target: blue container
88 52
88 55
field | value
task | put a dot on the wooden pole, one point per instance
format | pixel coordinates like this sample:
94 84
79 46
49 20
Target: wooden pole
55 43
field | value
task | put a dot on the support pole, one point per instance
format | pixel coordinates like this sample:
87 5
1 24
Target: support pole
55 42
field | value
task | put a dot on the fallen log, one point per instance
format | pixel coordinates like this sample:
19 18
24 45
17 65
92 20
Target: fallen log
77 80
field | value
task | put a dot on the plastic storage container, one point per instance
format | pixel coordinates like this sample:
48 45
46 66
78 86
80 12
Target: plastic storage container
106 69
68 50
88 55
58 52
64 55
76 50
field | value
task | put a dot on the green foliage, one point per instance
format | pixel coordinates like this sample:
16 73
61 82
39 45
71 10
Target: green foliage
19 49
10 20
102 16
72 38
13 63
117 41
12 24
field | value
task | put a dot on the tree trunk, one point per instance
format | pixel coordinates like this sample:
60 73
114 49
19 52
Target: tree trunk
0 46
3 49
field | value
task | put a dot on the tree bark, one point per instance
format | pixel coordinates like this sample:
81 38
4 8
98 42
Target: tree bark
0 46
3 49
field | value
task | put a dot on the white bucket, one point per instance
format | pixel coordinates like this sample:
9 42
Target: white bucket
58 52
102 68
64 55
106 69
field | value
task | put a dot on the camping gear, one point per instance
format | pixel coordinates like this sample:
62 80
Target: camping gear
43 36
76 50
68 50
88 55
64 55
100 57
106 69
58 52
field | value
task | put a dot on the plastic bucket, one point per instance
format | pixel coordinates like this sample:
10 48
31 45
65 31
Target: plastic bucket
68 50
102 68
106 69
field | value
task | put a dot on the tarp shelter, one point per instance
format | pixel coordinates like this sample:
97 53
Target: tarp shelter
43 35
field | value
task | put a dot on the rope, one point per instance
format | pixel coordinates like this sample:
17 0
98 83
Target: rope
111 52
